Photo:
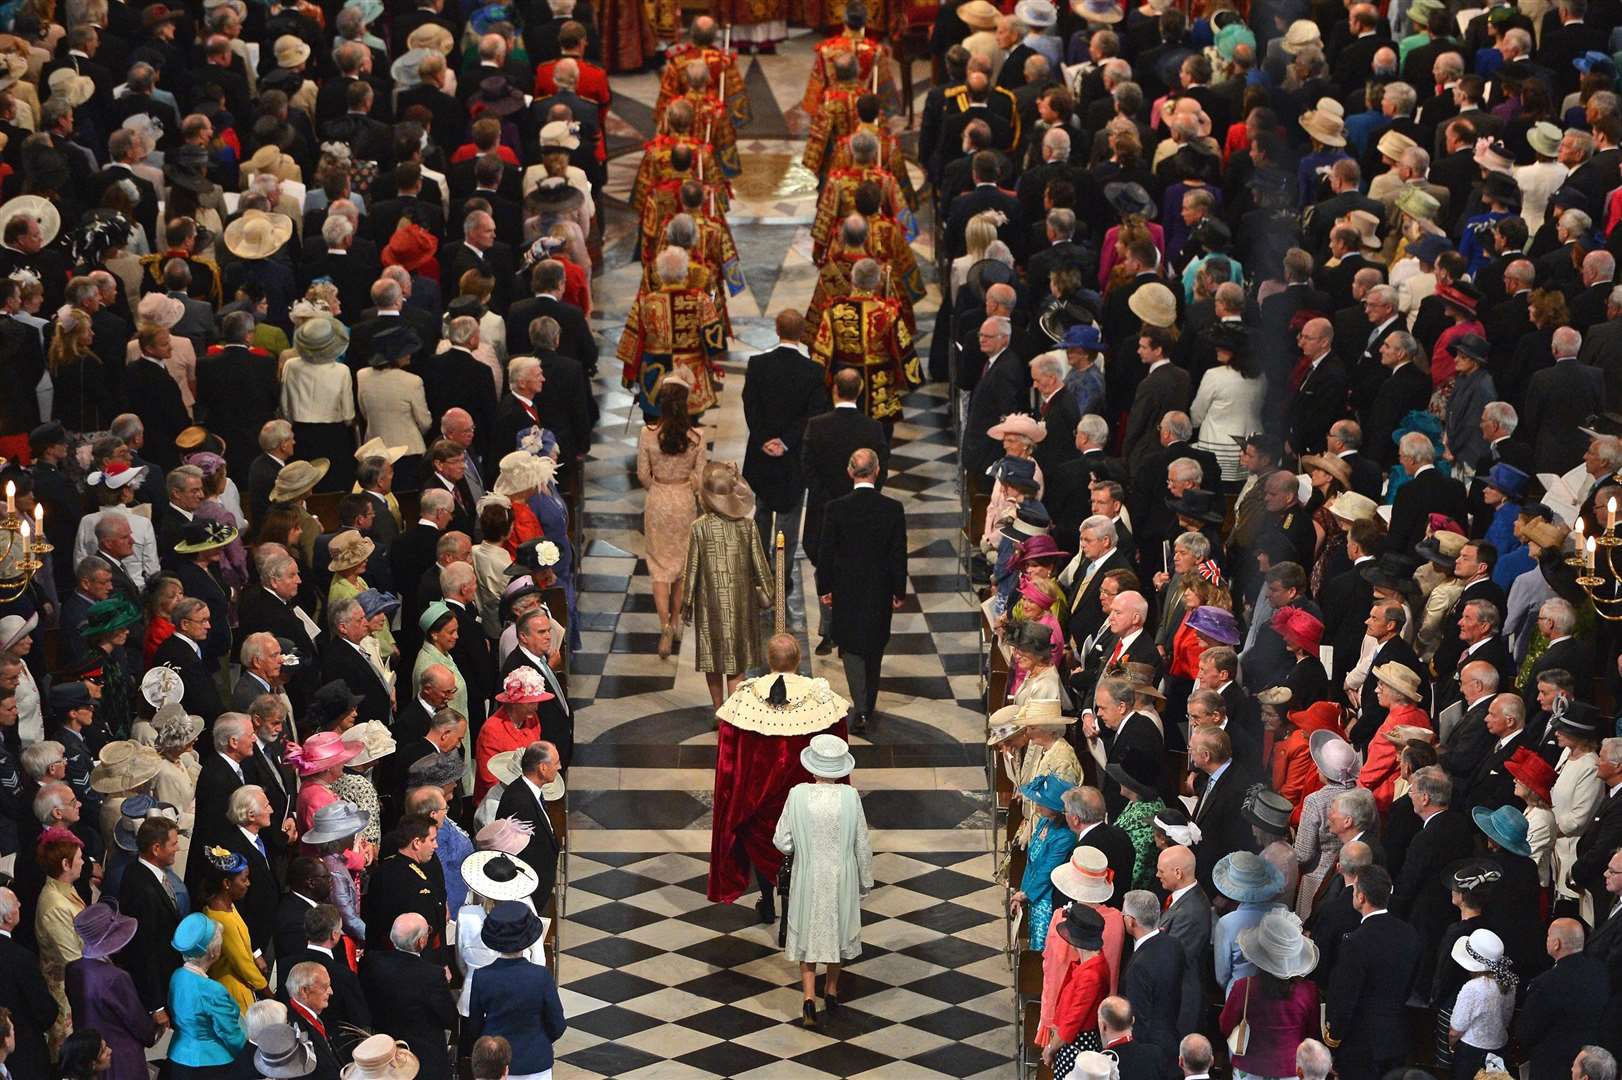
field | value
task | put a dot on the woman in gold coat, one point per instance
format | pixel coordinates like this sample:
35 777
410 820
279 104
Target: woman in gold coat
727 585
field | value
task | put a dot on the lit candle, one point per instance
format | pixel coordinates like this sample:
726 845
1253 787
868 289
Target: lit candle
1591 554
25 530
1579 534
1610 515
11 497
39 519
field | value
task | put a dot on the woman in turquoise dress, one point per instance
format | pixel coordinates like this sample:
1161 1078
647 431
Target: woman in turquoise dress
1137 820
208 1024
1050 846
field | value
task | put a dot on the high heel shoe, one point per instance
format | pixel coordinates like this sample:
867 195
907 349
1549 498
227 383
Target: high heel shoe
664 642
675 633
808 1014
830 1002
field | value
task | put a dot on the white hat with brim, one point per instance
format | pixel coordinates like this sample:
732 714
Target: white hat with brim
290 51
504 766
13 628
375 742
69 84
978 14
1277 946
41 210
257 234
1097 11
375 447
1085 878
1478 950
1154 304
559 135
1300 34
828 756
1036 13
496 875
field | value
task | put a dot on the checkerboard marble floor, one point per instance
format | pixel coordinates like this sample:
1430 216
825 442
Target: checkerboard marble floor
657 981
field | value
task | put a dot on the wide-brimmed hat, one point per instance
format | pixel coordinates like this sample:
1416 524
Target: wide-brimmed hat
1391 570
1393 144
134 811
321 339
497 97
1247 878
1533 771
1047 791
1505 826
1494 157
381 1057
511 927
1337 760
508 834
201 535
324 750
124 766
827 756
1086 878
280 1052
103 930
1036 549
1019 424
724 492
258 234
110 616
1461 296
332 702
1351 505
336 821
1039 14
376 447
1472 345
41 210
1277 946
1400 678
373 738
1154 304
348 550
559 135
523 684
1331 464
1508 480
297 479
1143 678
1216 623
1501 187
1580 719
1324 128
1300 34
431 36
1197 503
1417 203
500 876
1130 198
1137 776
13 628
290 51
407 70
1030 520
1441 548
1544 139
1082 927
978 15
1480 950
69 84
436 769
374 602
1097 11
1299 628
1267 810
1016 472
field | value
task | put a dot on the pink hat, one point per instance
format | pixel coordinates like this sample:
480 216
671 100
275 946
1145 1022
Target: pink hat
505 834
322 751
1299 628
1019 424
160 308
523 684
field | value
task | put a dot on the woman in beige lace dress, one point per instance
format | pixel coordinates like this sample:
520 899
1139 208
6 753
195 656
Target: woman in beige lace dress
669 464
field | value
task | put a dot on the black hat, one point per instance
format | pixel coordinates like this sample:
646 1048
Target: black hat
1472 874
465 305
527 559
1213 234
1136 775
1580 719
331 702
1501 187
1197 503
47 434
1570 198
1029 636
1233 337
393 343
1471 345
556 193
1390 571
1081 927
67 696
511 927
1130 198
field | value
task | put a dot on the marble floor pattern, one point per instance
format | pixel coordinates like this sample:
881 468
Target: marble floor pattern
657 981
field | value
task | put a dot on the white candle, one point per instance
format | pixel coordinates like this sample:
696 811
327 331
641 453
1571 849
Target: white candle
1610 514
1590 554
39 520
11 497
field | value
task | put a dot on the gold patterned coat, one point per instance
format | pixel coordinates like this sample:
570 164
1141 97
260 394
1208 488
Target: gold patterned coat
869 54
669 327
663 202
726 590
656 168
834 121
868 333
724 76
901 279
838 201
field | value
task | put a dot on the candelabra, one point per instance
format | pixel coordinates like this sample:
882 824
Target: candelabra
1595 562
22 546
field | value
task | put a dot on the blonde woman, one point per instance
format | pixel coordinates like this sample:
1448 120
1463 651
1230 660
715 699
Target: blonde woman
74 389
978 235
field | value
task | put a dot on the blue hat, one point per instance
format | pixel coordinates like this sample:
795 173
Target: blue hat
1013 471
1594 60
1508 479
432 614
1216 623
1083 337
488 16
65 697
194 935
1429 246
1247 878
1031 519
1047 790
1505 826
376 602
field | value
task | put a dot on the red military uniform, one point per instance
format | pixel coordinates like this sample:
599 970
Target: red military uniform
868 333
669 327
724 79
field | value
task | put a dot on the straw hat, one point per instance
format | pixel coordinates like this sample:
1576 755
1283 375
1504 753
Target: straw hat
41 210
1418 203
499 875
559 135
297 479
1351 506
978 15
374 740
1400 678
380 1057
348 550
291 51
1154 304
1326 129
257 234
124 766
1393 144
1300 34
726 493
827 756
1036 13
1086 878
1277 946
375 447
1479 951
431 36
1334 466
1549 535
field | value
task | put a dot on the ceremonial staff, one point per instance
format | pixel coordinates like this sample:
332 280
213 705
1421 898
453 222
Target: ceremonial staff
780 626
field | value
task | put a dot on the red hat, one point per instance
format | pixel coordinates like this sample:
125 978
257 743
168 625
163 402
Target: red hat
411 247
1299 628
1533 771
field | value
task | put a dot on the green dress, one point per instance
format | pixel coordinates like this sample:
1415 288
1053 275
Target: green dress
1137 820
824 829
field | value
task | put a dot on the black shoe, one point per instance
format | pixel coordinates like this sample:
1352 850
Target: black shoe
808 1014
858 725
830 1002
766 910
825 647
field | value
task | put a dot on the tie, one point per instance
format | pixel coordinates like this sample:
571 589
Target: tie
1081 590
557 691
259 845
1301 373
1115 657
1165 905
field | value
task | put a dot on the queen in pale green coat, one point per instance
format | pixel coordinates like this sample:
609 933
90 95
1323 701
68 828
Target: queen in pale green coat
439 632
825 831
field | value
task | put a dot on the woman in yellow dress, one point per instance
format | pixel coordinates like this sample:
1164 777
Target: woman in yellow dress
225 881
60 855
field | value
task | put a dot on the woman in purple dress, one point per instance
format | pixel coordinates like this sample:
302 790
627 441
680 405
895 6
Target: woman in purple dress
103 995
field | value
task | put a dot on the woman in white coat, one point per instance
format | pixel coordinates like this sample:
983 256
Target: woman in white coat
1229 401
114 486
1577 789
391 400
824 830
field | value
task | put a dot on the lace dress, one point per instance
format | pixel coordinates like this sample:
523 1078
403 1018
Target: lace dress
671 481
824 829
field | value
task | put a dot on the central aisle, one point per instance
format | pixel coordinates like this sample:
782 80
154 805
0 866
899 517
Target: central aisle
657 981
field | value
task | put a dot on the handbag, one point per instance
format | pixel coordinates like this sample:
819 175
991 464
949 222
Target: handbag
1239 1037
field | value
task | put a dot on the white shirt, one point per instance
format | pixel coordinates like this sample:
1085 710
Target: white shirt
844 404
1178 894
1372 914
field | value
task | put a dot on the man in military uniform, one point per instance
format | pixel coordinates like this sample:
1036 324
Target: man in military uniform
852 41
870 118
702 46
712 262
663 159
711 120
181 235
839 193
672 326
865 331
665 200
835 117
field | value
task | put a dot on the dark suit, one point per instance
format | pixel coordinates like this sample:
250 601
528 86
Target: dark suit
1061 416
1571 655
33 1009
1376 966
1317 405
258 907
1420 895
288 936
326 1061
152 394
202 695
1217 814
1165 389
830 439
566 406
497 262
1136 746
1005 387
1346 600
575 338
1432 491
259 609
1491 785
1558 400
862 564
236 393
1561 1014
341 660
782 391
1085 614
1399 393
541 853
1164 1002
1118 852
348 1005
149 957
1599 841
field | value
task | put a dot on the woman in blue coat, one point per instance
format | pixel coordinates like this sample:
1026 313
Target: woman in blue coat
1050 846
513 997
208 1024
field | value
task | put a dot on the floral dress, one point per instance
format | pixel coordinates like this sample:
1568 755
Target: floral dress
356 787
1137 820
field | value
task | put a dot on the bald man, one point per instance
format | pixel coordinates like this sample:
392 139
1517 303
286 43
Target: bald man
1565 1006
1320 395
1187 916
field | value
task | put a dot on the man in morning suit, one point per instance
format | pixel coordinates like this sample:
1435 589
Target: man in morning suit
1085 576
271 607
146 895
183 651
782 391
248 815
342 658
1420 895
1164 1000
1220 783
1004 387
323 941
830 440
1085 811
523 800
862 574
1429 491
1375 968
1119 736
1564 1006
23 992
1603 833
534 649
1558 621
